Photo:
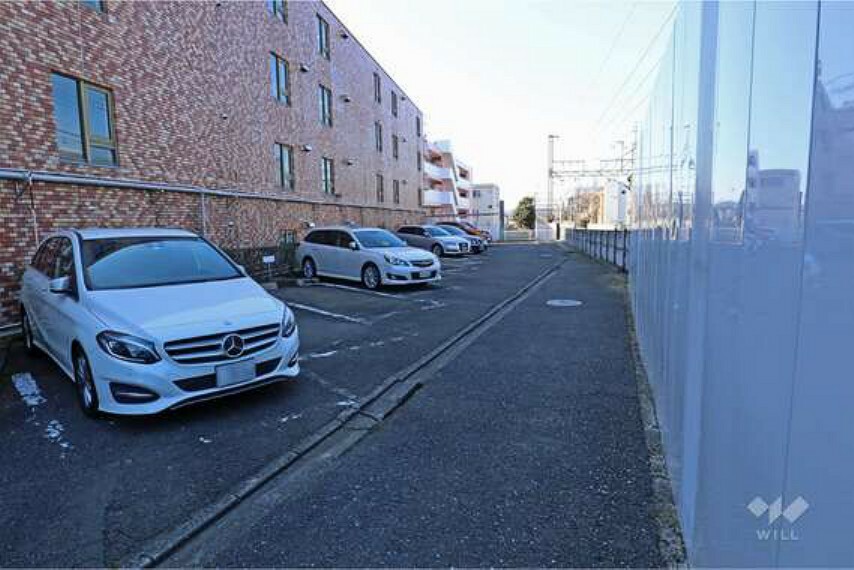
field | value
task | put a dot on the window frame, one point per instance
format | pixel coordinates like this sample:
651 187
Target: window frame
380 189
278 9
394 103
395 191
279 64
327 175
325 102
98 6
280 150
418 126
378 88
395 146
378 136
87 139
324 47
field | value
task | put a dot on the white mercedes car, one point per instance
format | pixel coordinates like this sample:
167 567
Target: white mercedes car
373 256
145 320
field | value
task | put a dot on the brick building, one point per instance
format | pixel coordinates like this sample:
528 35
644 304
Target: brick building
244 121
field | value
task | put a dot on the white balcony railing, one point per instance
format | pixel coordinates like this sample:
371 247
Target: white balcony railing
438 198
464 184
437 172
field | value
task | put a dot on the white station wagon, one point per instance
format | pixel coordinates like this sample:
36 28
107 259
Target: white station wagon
373 256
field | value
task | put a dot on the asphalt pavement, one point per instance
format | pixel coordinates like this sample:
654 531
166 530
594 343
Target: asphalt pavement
526 449
81 492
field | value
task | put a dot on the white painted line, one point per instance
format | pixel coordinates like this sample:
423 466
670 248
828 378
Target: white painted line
27 387
320 354
55 433
357 290
317 311
563 303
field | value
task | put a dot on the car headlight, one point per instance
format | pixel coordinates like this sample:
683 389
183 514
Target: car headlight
128 347
289 323
396 260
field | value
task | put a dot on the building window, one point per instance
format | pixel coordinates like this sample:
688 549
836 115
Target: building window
84 121
380 189
284 155
279 9
280 79
395 191
395 146
378 136
418 159
97 5
323 38
378 88
325 106
417 126
394 103
327 175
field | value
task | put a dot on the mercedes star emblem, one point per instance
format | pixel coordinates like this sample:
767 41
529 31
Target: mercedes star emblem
232 346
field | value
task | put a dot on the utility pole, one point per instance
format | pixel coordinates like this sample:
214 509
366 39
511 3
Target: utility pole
550 191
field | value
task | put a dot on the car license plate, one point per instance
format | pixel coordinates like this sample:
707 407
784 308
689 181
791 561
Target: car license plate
228 374
420 275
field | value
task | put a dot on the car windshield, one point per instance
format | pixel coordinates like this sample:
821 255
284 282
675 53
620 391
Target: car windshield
436 232
454 230
127 263
378 238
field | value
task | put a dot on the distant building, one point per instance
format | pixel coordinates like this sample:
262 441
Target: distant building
485 209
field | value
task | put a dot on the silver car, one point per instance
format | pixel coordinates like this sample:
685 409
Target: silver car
434 239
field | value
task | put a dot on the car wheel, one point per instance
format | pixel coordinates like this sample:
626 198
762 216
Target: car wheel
309 269
371 278
27 331
437 250
87 394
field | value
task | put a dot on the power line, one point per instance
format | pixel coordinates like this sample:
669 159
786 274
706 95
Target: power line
622 115
637 65
617 38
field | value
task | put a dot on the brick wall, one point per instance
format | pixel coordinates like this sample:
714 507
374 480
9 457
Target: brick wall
191 86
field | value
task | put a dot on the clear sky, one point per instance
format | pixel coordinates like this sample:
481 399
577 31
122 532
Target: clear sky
497 76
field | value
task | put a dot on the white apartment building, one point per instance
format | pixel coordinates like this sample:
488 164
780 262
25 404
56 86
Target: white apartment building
450 193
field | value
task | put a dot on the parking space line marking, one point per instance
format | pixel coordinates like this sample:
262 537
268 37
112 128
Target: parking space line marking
357 290
27 387
310 309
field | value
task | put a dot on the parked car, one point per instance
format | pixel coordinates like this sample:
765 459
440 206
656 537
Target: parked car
476 243
144 320
469 228
434 239
373 256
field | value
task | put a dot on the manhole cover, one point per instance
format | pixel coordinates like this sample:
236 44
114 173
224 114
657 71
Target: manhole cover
563 303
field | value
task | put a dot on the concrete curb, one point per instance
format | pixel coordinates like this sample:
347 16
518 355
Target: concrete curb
671 546
377 405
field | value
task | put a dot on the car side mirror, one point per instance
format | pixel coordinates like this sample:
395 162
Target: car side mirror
61 286
353 245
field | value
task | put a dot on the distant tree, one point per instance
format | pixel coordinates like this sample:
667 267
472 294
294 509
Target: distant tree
524 216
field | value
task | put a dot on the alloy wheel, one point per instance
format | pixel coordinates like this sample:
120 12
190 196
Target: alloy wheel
308 269
371 277
87 395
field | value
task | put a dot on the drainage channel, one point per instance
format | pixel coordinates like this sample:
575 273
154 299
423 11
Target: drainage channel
340 434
